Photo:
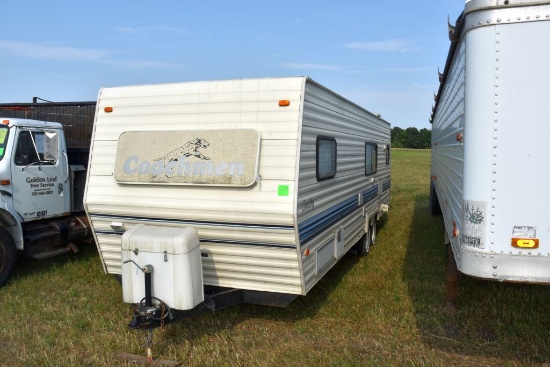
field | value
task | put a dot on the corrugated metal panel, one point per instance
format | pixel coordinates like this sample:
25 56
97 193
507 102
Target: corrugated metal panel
325 206
447 152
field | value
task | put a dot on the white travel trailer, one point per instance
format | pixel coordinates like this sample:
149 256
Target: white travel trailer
256 185
489 141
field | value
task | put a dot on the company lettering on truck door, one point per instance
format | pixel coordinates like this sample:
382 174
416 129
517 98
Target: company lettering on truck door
207 157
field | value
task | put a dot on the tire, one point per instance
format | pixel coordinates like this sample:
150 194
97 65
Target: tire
372 231
435 208
368 239
8 256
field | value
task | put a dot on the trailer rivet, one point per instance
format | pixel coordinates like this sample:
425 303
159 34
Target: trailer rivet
539 253
519 18
529 253
488 21
494 267
494 274
508 19
498 20
538 16
510 252
528 17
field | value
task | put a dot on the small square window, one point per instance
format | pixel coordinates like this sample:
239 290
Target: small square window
326 158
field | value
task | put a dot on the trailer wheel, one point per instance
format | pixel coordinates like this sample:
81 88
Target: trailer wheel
8 256
435 208
368 239
372 231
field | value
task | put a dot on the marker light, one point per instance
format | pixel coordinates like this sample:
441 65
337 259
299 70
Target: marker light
108 109
525 242
284 103
6 122
5 182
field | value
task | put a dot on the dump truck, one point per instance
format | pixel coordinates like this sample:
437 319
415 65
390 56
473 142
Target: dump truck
42 176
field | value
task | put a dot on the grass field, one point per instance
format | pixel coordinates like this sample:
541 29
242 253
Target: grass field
385 309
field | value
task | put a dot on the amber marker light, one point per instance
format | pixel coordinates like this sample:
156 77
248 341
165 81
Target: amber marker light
5 122
5 182
108 109
306 252
284 103
525 242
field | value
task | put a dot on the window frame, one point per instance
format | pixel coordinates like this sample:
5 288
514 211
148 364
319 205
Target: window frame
373 163
4 144
333 158
31 141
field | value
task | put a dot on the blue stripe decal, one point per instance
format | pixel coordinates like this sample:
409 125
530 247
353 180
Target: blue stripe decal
310 228
194 222
370 194
386 185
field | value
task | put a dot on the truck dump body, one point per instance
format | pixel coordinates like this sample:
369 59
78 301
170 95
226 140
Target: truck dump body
236 160
77 119
489 146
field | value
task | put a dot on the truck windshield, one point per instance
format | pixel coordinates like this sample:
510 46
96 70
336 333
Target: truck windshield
4 132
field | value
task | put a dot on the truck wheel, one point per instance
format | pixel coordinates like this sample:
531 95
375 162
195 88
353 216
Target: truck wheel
435 208
8 256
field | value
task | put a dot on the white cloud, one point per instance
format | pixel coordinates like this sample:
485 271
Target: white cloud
51 51
45 51
298 66
394 45
149 30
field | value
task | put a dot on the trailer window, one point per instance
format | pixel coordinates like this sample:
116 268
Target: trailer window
326 158
28 145
4 132
371 157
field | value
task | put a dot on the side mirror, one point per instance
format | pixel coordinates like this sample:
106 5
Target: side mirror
51 144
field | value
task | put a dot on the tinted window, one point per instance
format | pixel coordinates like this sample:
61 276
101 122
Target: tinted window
326 158
371 157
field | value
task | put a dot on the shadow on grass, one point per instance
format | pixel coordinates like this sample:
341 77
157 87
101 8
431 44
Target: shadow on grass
493 320
303 307
27 267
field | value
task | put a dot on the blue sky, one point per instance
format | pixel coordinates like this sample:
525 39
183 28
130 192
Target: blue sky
382 55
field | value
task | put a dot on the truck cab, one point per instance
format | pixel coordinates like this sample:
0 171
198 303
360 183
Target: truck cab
37 188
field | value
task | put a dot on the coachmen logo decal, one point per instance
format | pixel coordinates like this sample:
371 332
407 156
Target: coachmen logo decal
208 157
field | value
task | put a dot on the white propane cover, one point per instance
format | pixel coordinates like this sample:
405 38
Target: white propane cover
175 256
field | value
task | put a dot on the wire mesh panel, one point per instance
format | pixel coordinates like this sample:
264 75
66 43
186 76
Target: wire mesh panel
77 118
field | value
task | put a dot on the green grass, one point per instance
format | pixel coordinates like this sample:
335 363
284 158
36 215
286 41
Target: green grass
383 310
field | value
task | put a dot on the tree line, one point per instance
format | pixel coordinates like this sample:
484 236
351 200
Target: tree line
410 137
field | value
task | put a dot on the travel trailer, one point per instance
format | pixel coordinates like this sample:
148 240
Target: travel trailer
255 187
489 148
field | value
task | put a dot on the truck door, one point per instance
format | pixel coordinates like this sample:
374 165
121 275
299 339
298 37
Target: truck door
39 182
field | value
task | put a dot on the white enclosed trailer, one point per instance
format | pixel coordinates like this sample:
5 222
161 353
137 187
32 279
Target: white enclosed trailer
489 141
277 177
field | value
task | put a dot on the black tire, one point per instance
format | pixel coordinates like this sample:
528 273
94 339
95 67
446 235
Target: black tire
8 256
372 231
435 208
367 241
